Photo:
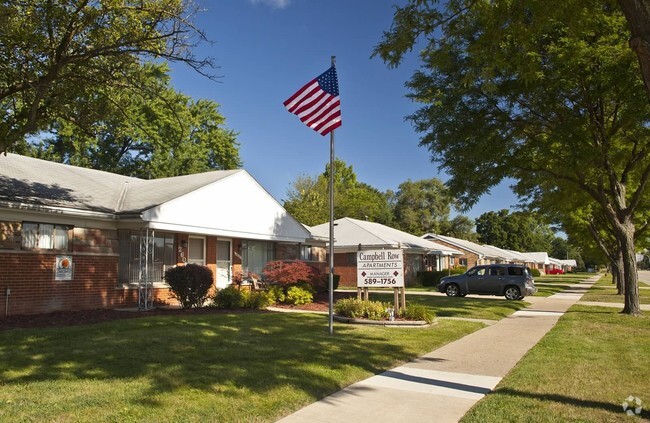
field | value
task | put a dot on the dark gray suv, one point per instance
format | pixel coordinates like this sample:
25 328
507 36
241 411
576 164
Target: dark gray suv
514 281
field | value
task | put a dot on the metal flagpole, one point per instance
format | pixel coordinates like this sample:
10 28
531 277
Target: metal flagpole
331 246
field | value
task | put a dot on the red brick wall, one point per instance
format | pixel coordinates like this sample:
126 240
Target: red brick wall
347 271
30 276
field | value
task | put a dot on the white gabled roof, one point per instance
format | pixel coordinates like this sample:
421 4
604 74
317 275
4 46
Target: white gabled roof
569 262
463 244
223 202
540 257
500 253
349 233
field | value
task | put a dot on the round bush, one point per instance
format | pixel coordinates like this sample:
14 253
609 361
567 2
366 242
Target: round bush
189 284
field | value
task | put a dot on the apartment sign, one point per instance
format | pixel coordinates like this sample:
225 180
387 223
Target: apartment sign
380 268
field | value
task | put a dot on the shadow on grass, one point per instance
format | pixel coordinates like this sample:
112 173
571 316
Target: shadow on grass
256 352
571 401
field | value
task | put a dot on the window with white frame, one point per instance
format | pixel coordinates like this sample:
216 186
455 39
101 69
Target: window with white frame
307 253
255 255
44 236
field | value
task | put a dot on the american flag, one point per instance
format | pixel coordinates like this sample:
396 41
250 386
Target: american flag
317 104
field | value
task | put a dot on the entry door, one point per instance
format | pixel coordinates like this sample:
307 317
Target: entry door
224 263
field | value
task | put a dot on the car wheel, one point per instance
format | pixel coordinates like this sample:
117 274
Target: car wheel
452 290
512 293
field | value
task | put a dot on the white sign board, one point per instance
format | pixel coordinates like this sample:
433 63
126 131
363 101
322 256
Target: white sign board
63 268
380 268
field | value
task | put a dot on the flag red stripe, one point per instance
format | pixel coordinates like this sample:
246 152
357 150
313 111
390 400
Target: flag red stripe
299 92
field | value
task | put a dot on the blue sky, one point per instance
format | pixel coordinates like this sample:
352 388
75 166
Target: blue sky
268 49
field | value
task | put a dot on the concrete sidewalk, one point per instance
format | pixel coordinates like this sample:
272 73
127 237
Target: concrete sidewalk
443 385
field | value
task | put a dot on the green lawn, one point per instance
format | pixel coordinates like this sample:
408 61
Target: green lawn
476 308
581 371
248 367
605 291
546 290
567 278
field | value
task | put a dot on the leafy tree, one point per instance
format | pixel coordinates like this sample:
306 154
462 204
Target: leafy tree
166 134
308 198
422 206
519 231
460 227
61 59
510 89
637 13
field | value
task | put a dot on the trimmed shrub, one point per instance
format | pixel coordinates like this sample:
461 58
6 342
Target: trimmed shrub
257 299
535 273
229 297
232 298
358 309
418 312
189 284
432 278
297 296
276 294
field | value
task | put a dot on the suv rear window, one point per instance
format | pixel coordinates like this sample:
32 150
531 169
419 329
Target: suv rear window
515 271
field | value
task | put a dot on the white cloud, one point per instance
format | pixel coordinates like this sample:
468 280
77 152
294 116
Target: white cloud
278 4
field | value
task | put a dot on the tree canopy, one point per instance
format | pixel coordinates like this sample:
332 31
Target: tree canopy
422 206
515 89
518 231
308 198
60 60
154 133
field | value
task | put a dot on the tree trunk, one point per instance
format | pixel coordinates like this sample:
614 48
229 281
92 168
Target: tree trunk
626 237
617 272
637 14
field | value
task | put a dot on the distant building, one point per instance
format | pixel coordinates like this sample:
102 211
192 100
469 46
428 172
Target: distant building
352 235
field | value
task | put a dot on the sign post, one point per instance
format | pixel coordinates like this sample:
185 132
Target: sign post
381 269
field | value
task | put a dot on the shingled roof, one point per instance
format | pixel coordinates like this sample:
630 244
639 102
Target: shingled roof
34 181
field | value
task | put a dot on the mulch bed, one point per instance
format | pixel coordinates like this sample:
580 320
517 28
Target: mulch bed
86 317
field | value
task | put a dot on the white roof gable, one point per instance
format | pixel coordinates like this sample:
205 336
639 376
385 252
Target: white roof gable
349 233
470 246
540 257
234 206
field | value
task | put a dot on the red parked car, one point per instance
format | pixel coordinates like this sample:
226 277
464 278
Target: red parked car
555 272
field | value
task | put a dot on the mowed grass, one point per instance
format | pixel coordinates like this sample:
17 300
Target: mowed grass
581 371
567 278
240 367
605 291
490 308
